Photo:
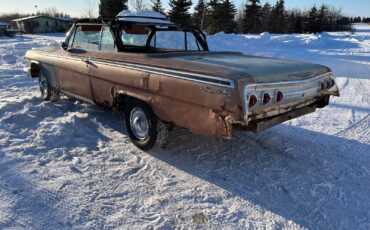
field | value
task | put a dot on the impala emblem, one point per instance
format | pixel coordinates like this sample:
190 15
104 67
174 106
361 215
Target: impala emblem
209 90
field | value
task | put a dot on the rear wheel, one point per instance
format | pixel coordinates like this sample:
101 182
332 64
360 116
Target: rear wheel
144 128
323 102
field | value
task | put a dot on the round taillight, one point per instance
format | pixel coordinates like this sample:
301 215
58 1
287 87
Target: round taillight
332 82
266 98
279 96
252 101
322 86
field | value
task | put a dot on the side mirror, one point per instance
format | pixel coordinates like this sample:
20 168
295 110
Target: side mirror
64 45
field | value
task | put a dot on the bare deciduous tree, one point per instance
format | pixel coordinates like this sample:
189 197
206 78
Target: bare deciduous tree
52 12
138 4
90 9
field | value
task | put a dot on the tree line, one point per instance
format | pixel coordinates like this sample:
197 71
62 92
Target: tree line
256 18
214 16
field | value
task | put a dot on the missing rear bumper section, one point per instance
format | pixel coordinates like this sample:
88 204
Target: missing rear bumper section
263 124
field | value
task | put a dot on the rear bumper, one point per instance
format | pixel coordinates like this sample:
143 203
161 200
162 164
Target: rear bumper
260 125
268 119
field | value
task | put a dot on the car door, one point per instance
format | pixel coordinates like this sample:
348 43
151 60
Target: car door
72 69
108 73
101 75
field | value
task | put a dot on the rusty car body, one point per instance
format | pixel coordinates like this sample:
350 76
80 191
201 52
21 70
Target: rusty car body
120 64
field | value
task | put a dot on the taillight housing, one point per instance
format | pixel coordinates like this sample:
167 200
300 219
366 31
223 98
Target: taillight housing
266 98
252 100
322 86
332 82
279 96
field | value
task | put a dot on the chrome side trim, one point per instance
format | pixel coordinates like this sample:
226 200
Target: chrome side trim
84 99
171 73
211 80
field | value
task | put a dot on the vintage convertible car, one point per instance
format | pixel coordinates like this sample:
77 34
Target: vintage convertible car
162 75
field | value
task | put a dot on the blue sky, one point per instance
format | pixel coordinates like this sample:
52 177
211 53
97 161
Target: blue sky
76 7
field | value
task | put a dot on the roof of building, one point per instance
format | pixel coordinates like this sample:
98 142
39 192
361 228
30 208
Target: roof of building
38 16
66 19
144 16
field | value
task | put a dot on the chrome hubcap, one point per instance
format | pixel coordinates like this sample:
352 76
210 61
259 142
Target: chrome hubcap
43 85
139 123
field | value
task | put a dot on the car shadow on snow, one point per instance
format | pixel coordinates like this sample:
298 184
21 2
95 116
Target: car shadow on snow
316 180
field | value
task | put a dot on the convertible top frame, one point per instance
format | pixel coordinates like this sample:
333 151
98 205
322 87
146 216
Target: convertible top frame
117 24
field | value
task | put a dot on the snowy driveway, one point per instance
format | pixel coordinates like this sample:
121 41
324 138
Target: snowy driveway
69 165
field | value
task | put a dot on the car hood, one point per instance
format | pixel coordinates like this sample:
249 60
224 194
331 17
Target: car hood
261 69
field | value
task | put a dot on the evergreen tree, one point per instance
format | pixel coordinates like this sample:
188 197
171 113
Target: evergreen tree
214 17
239 19
278 22
111 8
200 14
322 18
157 6
298 27
311 24
291 22
179 12
252 17
276 19
227 17
357 19
265 17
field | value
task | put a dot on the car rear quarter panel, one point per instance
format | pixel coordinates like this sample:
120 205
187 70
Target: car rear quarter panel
202 108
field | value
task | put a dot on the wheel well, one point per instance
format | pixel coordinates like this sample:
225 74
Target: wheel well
35 70
121 100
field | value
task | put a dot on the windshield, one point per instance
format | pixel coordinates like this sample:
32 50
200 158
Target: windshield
175 40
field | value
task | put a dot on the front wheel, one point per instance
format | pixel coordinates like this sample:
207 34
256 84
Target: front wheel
144 128
46 90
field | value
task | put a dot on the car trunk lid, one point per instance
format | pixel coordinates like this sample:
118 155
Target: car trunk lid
261 69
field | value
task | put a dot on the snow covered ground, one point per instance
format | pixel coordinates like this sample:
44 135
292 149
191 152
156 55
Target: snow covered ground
69 165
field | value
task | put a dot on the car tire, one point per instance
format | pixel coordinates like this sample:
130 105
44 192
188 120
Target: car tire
47 91
323 102
145 130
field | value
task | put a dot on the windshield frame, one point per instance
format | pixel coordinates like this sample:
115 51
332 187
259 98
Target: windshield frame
116 27
198 35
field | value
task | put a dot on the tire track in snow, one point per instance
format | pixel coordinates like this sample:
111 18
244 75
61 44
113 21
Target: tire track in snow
32 207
